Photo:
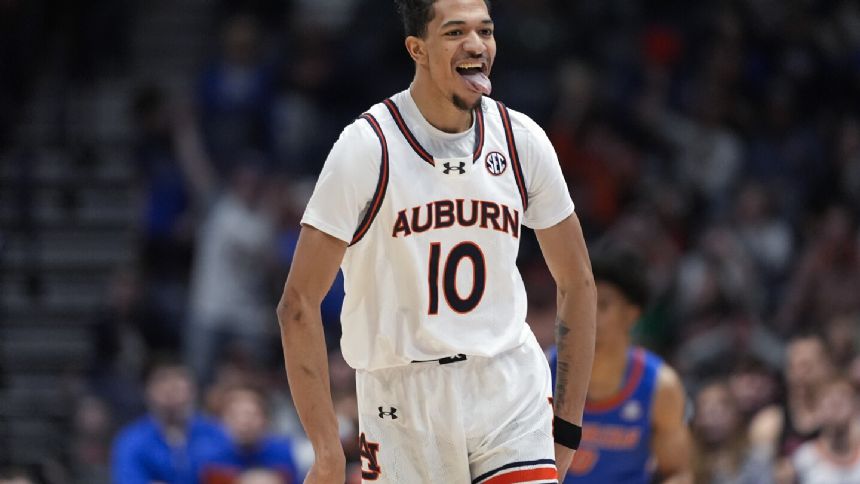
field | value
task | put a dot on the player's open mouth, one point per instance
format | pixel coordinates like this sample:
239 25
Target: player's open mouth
474 74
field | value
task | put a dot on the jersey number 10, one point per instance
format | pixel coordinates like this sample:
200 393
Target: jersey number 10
463 250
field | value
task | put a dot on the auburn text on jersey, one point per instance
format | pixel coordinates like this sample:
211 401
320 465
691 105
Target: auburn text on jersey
442 214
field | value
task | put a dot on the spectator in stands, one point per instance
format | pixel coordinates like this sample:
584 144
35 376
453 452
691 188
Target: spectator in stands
230 307
121 344
170 442
235 95
827 280
754 386
174 178
842 333
594 157
92 431
245 415
833 457
724 454
766 236
783 427
717 300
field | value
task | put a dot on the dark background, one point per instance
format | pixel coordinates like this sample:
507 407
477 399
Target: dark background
720 139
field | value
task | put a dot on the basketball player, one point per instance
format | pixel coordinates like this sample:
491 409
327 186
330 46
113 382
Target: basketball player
421 202
634 414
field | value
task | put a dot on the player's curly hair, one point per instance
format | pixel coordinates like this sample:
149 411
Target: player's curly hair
622 267
416 14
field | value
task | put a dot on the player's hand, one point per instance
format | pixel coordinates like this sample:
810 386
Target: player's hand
329 469
563 456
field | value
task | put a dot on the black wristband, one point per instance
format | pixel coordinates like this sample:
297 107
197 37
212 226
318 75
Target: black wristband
566 433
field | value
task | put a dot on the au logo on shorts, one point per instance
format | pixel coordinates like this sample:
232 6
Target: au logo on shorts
496 163
369 451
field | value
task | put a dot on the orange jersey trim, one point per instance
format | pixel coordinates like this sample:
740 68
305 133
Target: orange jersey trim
633 380
526 475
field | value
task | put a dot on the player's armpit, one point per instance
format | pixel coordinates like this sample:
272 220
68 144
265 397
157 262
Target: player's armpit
315 264
671 441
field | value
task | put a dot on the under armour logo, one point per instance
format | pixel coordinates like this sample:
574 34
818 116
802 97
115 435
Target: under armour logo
392 413
460 169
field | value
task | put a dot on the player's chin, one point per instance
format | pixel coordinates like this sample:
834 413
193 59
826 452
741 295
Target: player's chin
467 101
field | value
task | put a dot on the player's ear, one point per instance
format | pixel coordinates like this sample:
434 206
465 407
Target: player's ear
417 49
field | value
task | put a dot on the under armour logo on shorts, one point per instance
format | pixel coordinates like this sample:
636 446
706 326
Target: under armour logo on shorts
459 169
392 413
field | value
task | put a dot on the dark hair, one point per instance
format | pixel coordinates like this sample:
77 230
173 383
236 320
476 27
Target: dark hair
416 14
624 269
161 364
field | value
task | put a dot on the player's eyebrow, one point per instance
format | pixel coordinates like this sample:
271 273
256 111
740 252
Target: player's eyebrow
451 23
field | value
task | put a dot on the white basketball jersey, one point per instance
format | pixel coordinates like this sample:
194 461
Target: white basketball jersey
431 271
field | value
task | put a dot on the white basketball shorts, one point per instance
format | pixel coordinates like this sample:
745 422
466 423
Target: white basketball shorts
471 420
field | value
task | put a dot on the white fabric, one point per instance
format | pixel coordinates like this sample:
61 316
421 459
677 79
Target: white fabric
228 283
459 421
385 317
814 465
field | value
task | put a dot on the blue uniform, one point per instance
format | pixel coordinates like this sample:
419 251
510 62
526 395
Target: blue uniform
616 432
229 460
142 454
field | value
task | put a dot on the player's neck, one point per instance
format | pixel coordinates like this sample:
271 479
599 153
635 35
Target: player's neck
607 371
437 110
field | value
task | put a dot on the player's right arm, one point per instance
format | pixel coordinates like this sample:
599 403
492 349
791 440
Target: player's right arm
315 265
551 214
340 199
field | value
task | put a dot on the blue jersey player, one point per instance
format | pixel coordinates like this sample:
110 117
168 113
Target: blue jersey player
634 429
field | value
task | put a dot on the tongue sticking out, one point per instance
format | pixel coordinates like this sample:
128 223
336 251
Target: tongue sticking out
479 82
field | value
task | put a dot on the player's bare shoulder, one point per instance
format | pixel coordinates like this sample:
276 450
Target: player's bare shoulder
669 398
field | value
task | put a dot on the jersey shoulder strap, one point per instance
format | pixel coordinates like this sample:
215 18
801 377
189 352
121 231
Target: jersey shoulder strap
514 154
381 184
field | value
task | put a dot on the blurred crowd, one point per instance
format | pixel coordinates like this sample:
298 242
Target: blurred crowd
719 138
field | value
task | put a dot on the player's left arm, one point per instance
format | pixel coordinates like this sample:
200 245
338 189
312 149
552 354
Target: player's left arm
671 442
564 250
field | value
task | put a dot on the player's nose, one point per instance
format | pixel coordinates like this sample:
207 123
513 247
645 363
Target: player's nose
474 44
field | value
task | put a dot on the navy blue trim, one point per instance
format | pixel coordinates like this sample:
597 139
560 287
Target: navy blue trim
515 158
495 471
479 132
381 184
420 150
410 138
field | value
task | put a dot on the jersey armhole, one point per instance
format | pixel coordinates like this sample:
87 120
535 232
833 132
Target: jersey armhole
381 184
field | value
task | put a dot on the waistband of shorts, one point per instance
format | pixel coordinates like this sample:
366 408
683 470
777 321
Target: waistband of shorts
445 361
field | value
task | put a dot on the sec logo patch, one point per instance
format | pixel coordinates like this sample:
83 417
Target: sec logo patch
496 163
